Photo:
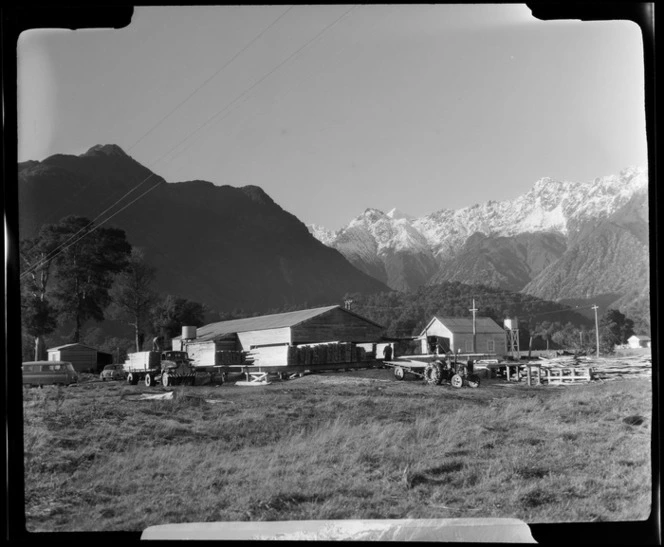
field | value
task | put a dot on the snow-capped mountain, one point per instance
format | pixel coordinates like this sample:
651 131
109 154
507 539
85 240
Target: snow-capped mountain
510 243
550 206
388 248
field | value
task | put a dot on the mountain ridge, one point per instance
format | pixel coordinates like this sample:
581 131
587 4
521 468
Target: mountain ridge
516 244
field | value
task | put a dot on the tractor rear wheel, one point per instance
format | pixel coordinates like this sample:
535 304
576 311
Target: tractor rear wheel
473 380
399 373
457 381
432 374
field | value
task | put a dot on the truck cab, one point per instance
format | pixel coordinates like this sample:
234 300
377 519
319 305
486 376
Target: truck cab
178 357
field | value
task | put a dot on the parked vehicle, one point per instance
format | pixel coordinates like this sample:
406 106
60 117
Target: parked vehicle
40 373
112 372
153 367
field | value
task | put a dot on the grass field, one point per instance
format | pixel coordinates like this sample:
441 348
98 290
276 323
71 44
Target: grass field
346 445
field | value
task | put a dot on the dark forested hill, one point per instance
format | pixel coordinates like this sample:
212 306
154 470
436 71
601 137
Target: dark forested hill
406 314
223 246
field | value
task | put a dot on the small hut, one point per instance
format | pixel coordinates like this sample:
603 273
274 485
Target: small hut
83 358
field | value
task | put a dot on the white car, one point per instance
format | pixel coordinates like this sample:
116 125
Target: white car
112 372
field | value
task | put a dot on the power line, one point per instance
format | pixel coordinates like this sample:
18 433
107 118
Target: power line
298 83
259 81
84 230
370 306
172 111
198 88
84 233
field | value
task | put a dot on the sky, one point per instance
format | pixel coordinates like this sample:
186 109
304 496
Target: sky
335 109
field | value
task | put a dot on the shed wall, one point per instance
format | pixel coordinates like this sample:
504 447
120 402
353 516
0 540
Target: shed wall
270 356
263 337
463 341
83 359
335 325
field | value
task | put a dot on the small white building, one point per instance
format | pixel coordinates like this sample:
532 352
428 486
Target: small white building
455 334
639 341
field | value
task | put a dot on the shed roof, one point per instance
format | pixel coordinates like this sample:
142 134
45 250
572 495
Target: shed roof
464 325
640 337
72 346
265 322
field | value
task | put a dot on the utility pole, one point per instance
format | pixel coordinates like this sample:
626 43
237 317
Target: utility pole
596 328
474 310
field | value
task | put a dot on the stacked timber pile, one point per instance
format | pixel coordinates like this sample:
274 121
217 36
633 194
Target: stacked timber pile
565 361
326 354
622 367
229 357
603 368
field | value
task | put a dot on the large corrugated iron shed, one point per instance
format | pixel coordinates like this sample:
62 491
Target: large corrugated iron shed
265 322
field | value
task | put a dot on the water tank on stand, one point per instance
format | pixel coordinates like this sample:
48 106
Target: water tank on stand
189 333
511 323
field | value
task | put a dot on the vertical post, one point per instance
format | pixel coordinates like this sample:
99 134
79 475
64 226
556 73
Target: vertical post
530 346
596 328
474 310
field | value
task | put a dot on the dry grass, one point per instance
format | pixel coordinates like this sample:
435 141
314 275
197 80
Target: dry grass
335 446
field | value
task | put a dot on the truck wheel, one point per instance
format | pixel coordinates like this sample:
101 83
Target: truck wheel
165 379
149 380
432 374
399 373
192 381
473 380
132 379
457 381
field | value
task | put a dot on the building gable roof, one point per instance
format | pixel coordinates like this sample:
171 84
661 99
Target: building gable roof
76 344
640 337
264 322
464 325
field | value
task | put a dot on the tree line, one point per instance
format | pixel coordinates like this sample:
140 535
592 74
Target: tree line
73 273
542 324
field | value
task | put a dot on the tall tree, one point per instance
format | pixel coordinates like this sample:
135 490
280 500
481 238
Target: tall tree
172 313
38 314
133 296
85 263
614 328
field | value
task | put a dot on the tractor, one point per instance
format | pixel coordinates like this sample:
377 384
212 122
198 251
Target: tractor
451 372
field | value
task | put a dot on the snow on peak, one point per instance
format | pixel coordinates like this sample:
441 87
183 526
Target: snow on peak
396 214
322 234
549 206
